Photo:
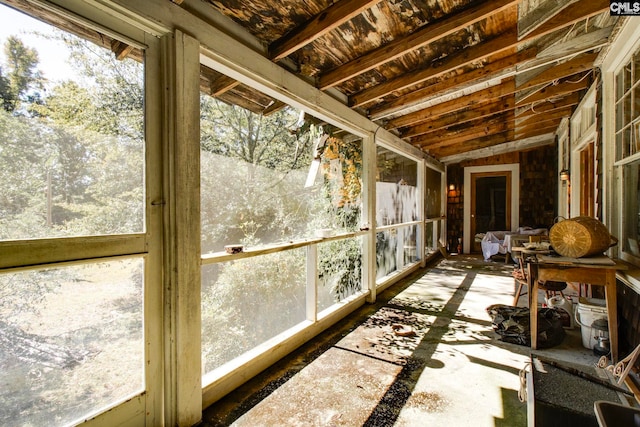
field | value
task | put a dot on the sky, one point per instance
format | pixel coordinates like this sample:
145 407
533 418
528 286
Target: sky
52 55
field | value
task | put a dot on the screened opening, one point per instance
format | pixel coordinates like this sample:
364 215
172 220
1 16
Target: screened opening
396 209
71 164
275 181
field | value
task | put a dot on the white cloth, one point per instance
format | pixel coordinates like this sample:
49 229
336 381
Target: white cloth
492 243
495 242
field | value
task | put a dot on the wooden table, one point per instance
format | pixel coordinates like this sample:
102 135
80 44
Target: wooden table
595 271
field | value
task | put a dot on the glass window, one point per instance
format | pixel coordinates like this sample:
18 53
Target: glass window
71 341
631 173
71 122
627 121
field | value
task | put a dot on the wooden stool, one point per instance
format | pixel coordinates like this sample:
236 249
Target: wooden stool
552 288
520 277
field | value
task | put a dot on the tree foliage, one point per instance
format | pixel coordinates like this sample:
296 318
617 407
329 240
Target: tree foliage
20 78
72 164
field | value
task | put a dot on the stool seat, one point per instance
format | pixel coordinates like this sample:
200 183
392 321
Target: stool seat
552 288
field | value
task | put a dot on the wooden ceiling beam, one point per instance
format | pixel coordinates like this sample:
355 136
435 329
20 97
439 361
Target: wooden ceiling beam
332 17
547 125
473 144
536 119
501 105
549 92
548 105
221 85
459 59
456 82
500 148
428 34
564 106
477 98
574 13
277 105
493 70
577 65
540 130
481 128
120 50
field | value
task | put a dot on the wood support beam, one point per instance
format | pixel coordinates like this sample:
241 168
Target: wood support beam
493 70
479 129
548 105
428 34
576 65
477 98
221 85
540 130
570 15
334 16
483 142
466 56
460 117
574 13
542 117
506 147
121 50
540 14
557 90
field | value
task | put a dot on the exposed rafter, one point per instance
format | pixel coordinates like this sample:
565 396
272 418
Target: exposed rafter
430 33
446 76
337 14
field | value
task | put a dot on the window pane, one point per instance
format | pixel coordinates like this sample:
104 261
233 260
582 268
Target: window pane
71 162
273 177
249 301
395 248
631 209
386 252
431 244
71 341
396 188
339 271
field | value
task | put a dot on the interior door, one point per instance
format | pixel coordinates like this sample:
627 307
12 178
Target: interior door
490 204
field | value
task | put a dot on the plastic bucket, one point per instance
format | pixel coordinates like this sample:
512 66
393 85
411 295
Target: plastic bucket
590 309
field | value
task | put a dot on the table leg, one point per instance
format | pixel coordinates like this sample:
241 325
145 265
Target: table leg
532 279
610 297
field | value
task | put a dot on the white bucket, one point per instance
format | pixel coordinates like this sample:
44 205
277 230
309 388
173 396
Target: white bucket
590 309
558 301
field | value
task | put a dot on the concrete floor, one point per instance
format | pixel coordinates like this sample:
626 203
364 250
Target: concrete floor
451 370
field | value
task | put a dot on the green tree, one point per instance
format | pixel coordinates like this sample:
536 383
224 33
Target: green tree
20 78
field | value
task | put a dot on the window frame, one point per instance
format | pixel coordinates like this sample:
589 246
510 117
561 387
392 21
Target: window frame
17 255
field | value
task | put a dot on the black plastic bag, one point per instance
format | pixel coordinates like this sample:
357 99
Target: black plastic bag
513 325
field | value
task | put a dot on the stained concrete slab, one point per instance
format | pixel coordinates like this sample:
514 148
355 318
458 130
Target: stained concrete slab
424 355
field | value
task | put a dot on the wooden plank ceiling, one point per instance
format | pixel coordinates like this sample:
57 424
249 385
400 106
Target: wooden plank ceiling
457 79
449 77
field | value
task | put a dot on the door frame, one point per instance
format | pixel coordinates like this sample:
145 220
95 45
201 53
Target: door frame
514 168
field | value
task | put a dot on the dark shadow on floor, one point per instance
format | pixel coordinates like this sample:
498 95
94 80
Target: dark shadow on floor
245 397
388 409
512 413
